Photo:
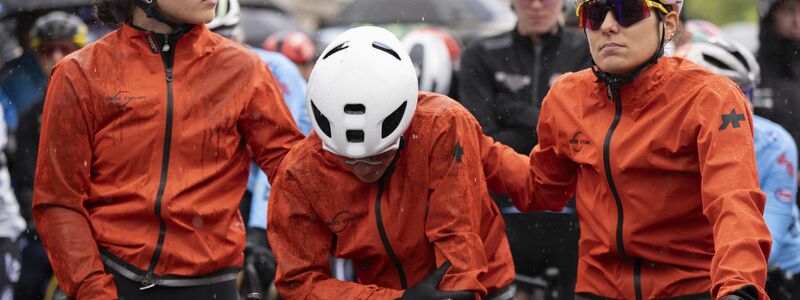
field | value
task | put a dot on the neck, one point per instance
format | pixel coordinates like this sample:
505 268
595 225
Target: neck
141 20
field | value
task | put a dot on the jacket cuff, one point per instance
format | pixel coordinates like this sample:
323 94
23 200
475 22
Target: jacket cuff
98 287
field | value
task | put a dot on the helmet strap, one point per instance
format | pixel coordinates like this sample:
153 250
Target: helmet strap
614 81
150 8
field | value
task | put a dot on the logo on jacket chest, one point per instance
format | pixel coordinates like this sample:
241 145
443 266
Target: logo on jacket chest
578 141
342 220
122 98
513 82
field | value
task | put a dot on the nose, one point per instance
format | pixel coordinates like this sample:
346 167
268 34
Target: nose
609 24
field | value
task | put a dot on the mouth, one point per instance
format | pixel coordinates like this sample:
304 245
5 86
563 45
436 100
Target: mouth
611 46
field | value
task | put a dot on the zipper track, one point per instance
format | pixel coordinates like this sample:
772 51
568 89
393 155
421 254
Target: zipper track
637 277
167 57
385 238
615 97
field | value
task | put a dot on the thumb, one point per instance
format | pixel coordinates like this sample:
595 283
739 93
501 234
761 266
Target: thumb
437 275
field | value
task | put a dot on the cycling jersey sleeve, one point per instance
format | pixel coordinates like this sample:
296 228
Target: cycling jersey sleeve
732 200
552 176
301 242
457 188
776 165
266 122
62 186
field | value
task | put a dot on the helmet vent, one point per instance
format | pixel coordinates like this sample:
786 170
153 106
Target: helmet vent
716 62
355 136
383 47
355 109
393 120
338 48
322 121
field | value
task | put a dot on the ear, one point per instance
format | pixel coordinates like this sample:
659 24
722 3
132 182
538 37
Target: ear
671 25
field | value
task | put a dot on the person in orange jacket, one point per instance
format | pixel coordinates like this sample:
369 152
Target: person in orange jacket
144 155
659 153
391 178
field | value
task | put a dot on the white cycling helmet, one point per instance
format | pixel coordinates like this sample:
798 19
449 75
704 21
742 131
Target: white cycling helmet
362 93
726 58
226 16
431 60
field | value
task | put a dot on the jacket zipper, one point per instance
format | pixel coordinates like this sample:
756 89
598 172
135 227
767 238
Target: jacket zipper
167 57
637 263
537 70
384 238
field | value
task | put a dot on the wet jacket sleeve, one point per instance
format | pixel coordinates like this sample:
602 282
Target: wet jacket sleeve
732 200
266 122
454 218
302 242
552 176
506 170
61 187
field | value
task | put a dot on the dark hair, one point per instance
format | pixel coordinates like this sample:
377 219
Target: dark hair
113 12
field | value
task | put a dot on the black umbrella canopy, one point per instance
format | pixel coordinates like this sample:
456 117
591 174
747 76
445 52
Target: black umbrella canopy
19 6
412 11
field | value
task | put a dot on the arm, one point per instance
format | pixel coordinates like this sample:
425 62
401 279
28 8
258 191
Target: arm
266 123
732 200
293 88
506 170
62 183
552 176
302 242
456 194
777 168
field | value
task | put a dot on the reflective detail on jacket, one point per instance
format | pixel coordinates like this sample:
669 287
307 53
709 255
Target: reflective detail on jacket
103 143
434 207
683 165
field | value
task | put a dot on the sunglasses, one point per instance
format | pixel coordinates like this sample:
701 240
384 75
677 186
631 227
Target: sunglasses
376 159
592 13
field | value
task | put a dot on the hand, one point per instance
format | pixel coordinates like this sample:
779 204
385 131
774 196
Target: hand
258 253
428 288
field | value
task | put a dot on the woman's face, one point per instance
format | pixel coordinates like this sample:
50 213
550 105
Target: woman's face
787 20
619 50
188 11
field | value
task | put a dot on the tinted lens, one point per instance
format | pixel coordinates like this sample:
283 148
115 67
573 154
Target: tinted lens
626 12
631 11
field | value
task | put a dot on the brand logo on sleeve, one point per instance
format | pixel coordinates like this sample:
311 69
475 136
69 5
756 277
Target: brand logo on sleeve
732 119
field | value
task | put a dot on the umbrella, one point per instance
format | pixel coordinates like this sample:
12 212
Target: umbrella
259 23
441 12
18 6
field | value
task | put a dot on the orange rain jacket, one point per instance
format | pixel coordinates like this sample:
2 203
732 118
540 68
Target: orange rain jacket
149 162
434 207
665 178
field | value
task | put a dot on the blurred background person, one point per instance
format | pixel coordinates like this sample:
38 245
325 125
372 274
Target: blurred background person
779 56
296 45
776 156
503 79
11 224
9 51
435 54
53 36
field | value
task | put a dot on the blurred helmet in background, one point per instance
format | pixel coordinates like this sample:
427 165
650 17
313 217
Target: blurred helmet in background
702 30
431 58
9 47
58 26
726 58
295 45
226 18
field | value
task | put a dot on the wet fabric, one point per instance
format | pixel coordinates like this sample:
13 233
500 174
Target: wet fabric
665 179
433 207
108 155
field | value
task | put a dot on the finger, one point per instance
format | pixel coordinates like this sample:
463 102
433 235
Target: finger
439 273
455 295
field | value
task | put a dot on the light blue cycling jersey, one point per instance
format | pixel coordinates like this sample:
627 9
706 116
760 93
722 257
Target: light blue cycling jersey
293 88
776 156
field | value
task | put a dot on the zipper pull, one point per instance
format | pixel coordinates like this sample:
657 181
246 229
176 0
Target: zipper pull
165 48
169 75
147 282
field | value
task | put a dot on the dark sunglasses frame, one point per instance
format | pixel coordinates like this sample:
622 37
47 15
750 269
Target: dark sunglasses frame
592 13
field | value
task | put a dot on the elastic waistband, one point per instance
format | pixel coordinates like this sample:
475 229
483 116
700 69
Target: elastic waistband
504 293
700 296
128 271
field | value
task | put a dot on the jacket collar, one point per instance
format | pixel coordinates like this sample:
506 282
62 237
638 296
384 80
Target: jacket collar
526 41
638 91
193 41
